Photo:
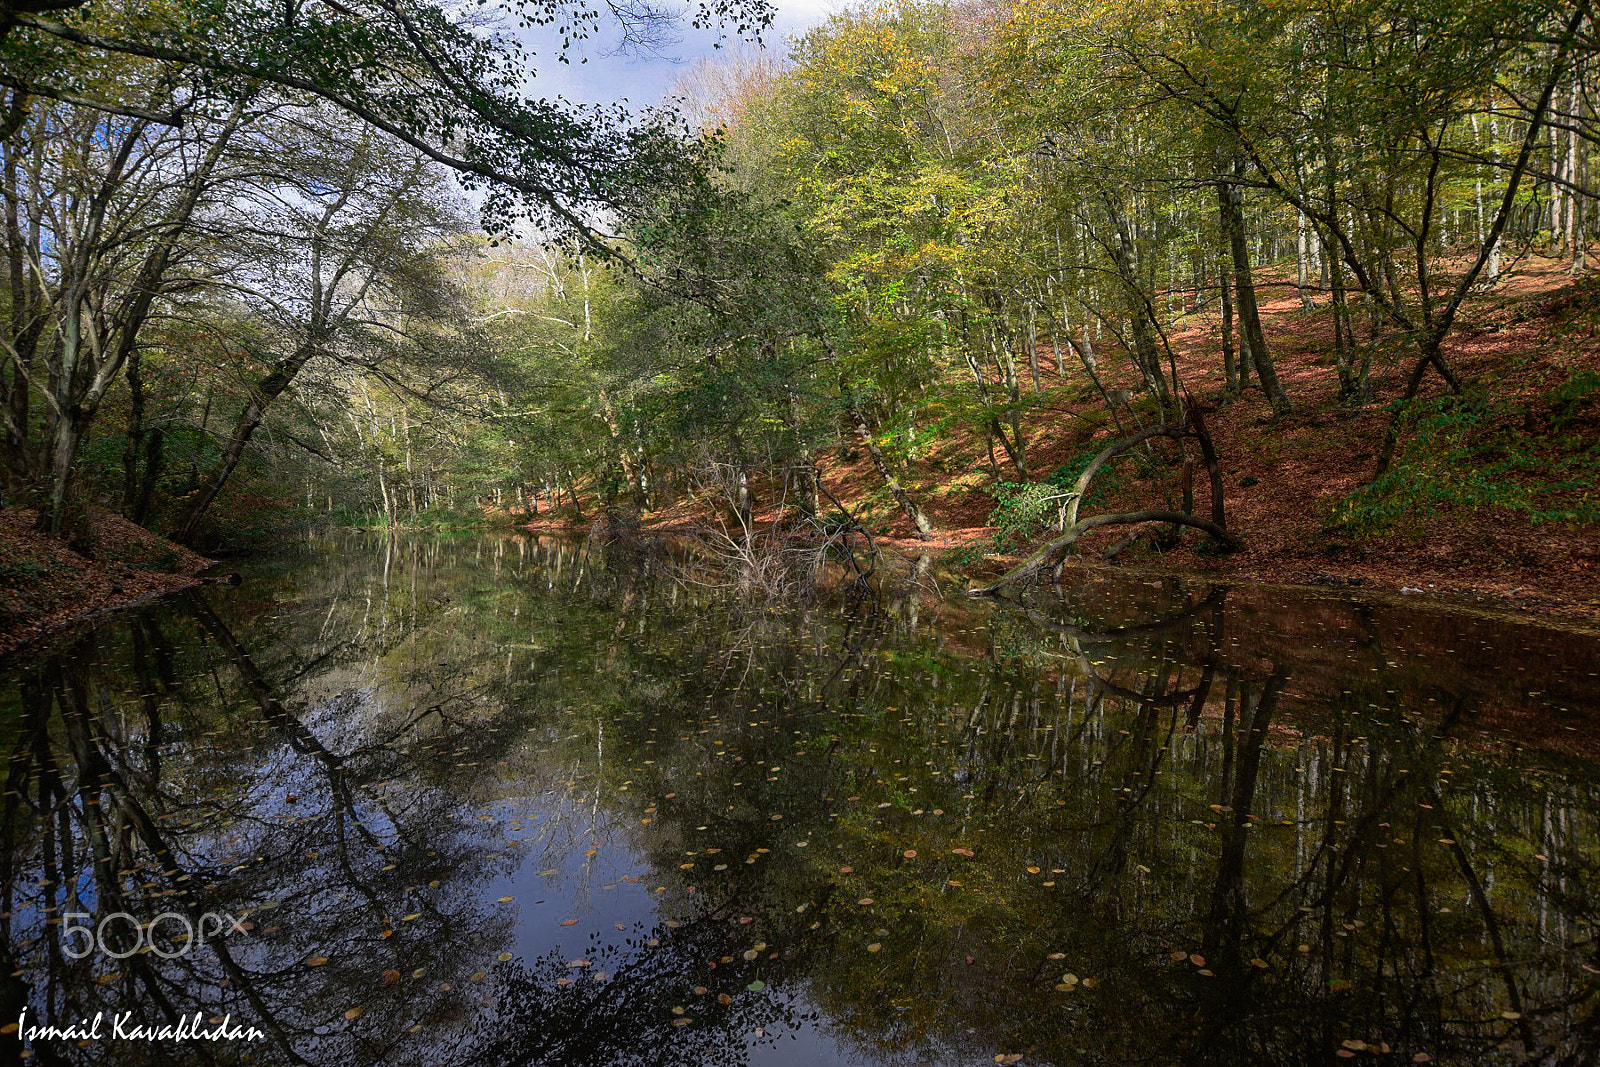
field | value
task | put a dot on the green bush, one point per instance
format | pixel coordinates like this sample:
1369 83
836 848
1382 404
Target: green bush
1022 509
1476 451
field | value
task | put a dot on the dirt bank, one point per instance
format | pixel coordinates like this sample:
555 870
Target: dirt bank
48 585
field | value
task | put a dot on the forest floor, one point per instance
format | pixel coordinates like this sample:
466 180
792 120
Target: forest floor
48 584
1528 349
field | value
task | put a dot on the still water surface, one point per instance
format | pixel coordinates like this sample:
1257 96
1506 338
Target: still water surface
511 801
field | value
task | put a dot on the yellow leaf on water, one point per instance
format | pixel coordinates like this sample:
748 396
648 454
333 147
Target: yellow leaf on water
353 1012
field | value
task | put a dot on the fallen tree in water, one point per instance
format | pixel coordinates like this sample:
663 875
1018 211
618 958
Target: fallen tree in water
1193 428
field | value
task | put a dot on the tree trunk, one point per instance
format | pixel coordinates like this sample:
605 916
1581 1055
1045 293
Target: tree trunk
1230 369
914 513
1231 203
135 435
255 409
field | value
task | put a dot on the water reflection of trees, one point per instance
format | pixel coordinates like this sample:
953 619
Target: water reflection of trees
1352 868
1339 845
194 790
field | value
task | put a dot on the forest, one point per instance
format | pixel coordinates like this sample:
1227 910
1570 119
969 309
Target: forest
848 563
1233 283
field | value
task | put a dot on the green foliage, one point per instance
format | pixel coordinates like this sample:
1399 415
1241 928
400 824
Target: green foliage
439 77
1474 451
1567 400
444 517
20 573
1022 509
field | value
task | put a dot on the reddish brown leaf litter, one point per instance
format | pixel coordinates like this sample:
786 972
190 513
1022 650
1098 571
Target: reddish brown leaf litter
46 586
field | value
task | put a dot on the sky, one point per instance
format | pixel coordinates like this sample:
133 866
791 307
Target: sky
643 81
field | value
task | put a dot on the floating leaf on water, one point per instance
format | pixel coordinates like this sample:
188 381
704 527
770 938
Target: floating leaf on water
1056 956
910 853
390 976
751 954
316 961
864 901
569 922
724 999
503 957
412 916
505 900
354 1012
874 947
756 986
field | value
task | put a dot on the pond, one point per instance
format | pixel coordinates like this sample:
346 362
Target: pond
504 800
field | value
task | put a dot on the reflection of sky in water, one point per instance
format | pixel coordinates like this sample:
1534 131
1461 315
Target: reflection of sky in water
1347 819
